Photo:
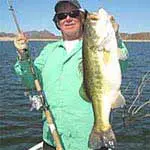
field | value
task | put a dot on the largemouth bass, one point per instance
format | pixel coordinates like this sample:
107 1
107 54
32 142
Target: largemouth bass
101 76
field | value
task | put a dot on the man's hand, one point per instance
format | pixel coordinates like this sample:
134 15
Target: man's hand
21 43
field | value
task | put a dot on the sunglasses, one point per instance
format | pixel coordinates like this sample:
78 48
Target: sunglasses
72 14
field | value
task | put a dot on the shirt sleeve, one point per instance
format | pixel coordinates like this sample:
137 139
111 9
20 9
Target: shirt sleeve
123 55
22 69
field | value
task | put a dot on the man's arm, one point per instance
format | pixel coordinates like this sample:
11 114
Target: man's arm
123 55
24 63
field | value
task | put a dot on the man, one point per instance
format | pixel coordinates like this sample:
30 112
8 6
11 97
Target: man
58 72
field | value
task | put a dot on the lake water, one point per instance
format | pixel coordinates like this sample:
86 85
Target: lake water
20 128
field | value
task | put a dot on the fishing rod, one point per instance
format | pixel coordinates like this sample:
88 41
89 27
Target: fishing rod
41 96
11 9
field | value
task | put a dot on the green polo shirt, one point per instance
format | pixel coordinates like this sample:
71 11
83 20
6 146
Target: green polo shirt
61 79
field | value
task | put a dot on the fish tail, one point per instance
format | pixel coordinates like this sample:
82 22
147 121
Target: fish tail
103 139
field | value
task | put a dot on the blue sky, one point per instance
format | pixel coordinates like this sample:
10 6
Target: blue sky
132 15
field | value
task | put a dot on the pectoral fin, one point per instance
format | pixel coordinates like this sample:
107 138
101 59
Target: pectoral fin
120 101
83 93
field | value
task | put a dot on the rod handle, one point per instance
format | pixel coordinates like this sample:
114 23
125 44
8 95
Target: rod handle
53 130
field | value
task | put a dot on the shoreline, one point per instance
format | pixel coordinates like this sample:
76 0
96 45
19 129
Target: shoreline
11 39
136 40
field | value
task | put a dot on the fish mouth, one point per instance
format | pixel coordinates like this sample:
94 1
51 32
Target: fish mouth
93 16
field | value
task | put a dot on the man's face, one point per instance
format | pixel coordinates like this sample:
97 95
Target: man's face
69 25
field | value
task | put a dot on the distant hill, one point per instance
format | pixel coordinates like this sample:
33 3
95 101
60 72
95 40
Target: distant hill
136 36
40 35
3 34
45 34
